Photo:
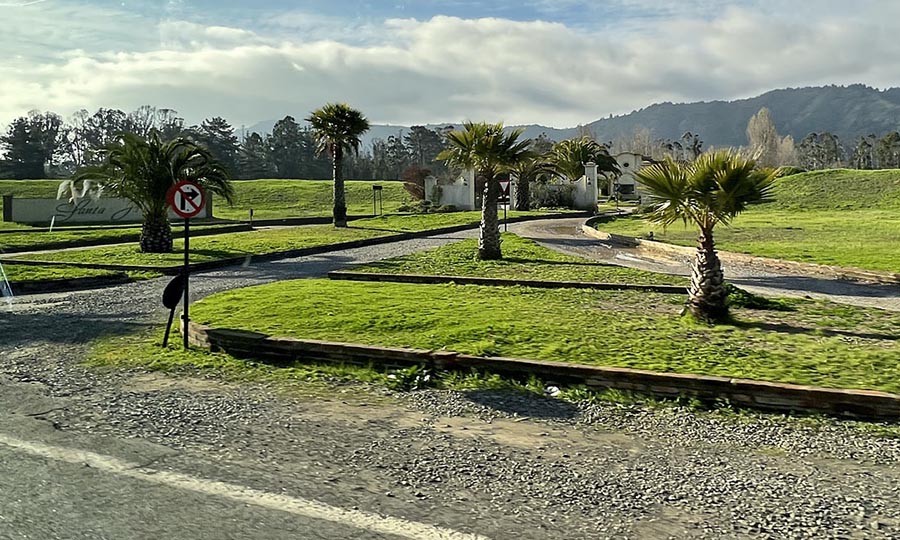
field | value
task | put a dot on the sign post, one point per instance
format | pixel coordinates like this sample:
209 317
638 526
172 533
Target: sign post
377 197
504 200
187 200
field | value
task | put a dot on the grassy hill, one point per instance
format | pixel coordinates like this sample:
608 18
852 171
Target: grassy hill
836 217
267 198
839 189
292 198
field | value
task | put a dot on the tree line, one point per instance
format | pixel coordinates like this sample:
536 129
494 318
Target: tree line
44 145
816 151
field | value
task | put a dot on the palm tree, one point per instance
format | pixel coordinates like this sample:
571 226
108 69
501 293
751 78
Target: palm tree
337 128
142 171
489 151
527 172
713 189
568 157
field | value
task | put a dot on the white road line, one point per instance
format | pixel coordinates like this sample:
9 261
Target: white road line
302 507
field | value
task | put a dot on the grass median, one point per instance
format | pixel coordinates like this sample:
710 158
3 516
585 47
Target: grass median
522 259
812 343
260 242
211 248
35 241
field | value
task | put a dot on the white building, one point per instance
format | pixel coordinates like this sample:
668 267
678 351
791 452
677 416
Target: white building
626 184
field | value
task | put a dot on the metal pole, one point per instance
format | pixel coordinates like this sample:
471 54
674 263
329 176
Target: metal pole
168 327
187 247
374 201
505 222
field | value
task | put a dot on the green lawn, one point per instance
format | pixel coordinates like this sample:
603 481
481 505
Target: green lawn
304 198
210 248
836 217
839 189
267 198
816 343
17 273
38 240
855 238
522 259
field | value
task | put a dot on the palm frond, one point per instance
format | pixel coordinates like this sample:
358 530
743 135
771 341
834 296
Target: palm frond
486 148
337 125
713 189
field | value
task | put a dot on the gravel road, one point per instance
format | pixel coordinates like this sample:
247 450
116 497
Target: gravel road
498 464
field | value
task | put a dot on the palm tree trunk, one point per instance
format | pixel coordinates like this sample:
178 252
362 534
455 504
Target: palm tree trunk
339 211
156 234
707 296
489 237
522 194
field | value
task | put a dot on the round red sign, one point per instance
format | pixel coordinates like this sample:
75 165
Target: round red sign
186 199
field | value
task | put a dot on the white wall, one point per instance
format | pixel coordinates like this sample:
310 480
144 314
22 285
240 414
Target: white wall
460 193
87 210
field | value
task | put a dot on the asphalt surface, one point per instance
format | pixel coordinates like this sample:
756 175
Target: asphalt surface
88 453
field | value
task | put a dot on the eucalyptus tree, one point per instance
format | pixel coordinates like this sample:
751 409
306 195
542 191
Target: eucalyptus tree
142 171
489 150
337 129
713 189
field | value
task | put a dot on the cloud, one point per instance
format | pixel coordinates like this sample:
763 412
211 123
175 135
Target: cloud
449 68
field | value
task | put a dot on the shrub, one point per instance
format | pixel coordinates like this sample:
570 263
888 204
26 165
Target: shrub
552 196
413 179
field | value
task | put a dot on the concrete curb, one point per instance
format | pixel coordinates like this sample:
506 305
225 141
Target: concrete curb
740 392
833 272
501 282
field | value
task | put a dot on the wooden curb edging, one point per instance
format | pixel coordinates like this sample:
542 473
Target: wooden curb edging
762 395
835 272
343 275
288 254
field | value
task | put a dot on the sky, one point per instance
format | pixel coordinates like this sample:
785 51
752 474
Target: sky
559 63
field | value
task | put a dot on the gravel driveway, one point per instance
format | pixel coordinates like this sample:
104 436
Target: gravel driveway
499 464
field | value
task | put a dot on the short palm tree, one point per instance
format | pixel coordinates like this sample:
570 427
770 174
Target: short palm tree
713 189
337 128
489 151
527 172
568 157
142 171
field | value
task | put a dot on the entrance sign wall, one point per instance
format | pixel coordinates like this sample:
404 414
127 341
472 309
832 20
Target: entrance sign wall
102 210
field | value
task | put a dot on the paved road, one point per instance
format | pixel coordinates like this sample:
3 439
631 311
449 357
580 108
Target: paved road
99 454
565 235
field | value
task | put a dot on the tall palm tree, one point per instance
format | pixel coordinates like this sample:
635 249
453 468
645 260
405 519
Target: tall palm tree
713 189
489 151
568 157
142 171
337 128
527 172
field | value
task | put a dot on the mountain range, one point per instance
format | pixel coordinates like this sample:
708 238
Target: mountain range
846 111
